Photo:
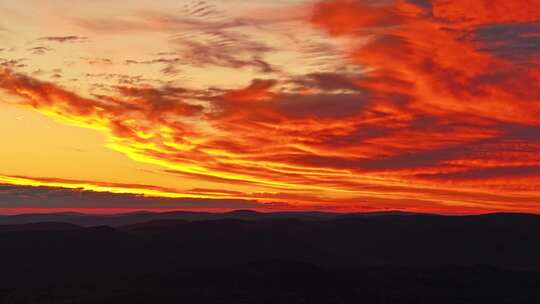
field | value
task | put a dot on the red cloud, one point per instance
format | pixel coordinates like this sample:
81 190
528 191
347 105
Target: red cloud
350 16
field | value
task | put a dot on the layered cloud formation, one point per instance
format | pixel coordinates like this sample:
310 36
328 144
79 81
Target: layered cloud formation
407 104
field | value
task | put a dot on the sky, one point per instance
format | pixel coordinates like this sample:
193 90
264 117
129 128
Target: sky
343 105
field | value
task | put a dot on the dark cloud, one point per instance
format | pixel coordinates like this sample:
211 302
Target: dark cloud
171 65
26 197
64 39
321 105
485 173
423 3
98 61
401 161
217 47
329 81
12 63
153 61
39 50
515 41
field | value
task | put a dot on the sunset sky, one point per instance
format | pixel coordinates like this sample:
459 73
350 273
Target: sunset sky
343 105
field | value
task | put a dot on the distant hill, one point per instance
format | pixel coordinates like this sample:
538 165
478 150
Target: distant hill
117 220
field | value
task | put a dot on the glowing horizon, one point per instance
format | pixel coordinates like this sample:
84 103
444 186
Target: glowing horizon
344 105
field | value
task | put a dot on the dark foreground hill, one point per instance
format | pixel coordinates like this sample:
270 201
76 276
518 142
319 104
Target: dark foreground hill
392 258
279 282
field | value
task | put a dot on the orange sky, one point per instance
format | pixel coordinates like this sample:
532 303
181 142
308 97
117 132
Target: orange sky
345 105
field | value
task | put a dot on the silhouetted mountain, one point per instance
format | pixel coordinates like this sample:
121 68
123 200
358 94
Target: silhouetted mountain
504 240
391 258
46 226
117 220
155 224
377 214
